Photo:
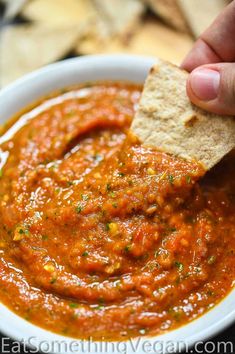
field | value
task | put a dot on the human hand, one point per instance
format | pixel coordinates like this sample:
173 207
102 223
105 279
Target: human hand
211 63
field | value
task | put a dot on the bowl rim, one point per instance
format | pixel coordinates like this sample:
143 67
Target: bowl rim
202 328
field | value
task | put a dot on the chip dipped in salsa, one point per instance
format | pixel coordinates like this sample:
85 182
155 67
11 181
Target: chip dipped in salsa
101 236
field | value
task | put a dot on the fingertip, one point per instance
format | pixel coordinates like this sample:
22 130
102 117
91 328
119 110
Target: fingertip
205 83
215 105
206 105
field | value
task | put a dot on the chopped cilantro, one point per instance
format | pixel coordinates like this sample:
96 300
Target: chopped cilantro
85 197
112 194
127 248
85 254
179 265
211 260
78 209
73 305
23 231
53 280
98 307
176 314
171 179
210 293
188 179
121 174
157 253
108 187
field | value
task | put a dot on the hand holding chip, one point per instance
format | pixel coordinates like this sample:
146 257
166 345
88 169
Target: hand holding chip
211 62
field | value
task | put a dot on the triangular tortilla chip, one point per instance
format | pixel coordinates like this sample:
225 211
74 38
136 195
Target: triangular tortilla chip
13 7
121 16
97 36
170 12
59 11
156 39
201 13
152 39
167 120
25 48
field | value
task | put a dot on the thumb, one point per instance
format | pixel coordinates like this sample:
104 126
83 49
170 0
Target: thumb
212 87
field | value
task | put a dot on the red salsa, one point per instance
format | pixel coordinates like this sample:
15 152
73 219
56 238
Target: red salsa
100 236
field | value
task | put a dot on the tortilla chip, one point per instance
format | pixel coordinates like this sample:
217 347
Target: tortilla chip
156 39
121 16
13 7
152 39
167 120
114 20
170 12
96 38
27 47
201 13
59 11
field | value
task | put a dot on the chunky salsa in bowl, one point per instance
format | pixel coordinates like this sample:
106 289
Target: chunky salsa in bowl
100 236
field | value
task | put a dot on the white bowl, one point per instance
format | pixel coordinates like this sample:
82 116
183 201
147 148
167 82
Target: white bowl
24 92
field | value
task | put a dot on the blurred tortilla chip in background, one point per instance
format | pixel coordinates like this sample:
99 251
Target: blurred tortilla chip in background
167 43
200 13
170 12
122 16
38 32
58 11
25 48
13 7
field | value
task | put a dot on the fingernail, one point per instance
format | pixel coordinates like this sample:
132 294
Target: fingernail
205 83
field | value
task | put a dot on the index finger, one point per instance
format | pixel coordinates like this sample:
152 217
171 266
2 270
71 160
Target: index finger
216 44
